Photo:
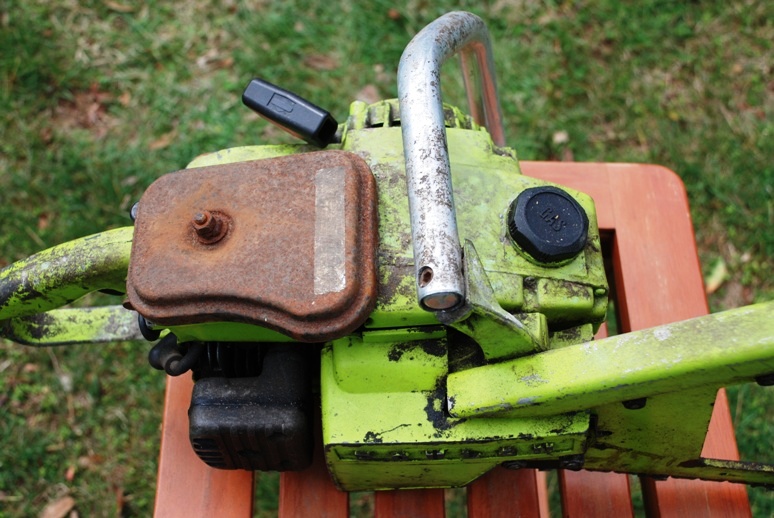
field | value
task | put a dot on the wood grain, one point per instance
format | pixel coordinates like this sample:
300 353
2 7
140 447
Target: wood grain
505 493
312 492
417 502
186 486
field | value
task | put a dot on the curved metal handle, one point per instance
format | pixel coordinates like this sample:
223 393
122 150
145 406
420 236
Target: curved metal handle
437 251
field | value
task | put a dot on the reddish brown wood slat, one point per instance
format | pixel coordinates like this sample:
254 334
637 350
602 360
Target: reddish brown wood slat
586 493
505 493
312 492
186 486
407 504
659 275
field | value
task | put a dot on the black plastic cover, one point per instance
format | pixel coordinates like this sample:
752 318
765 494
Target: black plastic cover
258 423
292 113
548 224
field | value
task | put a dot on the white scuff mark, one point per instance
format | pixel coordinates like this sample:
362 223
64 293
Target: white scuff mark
621 341
329 245
533 380
662 334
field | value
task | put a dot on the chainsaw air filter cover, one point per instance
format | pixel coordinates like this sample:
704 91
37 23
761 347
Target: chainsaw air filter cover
287 243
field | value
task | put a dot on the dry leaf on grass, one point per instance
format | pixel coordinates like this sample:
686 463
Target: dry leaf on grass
120 499
321 62
163 141
87 110
125 98
214 59
716 277
90 461
43 221
561 137
368 94
561 140
58 508
119 8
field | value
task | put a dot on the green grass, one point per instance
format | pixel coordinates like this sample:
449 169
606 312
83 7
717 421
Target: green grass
100 98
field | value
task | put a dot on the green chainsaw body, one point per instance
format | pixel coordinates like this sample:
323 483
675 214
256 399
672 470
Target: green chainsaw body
291 279
383 388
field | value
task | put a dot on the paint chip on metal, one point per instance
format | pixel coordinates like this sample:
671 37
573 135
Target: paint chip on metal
329 231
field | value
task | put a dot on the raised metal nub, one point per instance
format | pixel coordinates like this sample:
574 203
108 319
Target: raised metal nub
437 251
209 227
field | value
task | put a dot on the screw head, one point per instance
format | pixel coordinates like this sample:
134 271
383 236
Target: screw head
133 211
470 454
364 455
572 462
635 404
506 451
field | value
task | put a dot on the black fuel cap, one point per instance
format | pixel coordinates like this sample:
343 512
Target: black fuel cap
548 224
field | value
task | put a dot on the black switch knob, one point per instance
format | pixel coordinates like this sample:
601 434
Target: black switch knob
290 112
548 224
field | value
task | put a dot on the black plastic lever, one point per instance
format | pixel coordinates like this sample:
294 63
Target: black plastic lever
290 112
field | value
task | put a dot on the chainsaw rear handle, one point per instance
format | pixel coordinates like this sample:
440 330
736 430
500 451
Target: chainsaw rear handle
437 250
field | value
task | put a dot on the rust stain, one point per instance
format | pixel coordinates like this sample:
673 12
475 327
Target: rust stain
237 243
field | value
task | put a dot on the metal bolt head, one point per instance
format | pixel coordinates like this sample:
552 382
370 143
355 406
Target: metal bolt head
572 462
133 211
210 227
506 451
543 448
635 404
470 454
435 454
364 455
201 219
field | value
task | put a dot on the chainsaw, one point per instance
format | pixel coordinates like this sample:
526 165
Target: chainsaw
435 335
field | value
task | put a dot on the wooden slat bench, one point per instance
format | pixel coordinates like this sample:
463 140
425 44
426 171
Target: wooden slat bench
644 217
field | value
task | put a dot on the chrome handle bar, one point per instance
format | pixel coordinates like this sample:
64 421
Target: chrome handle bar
437 251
